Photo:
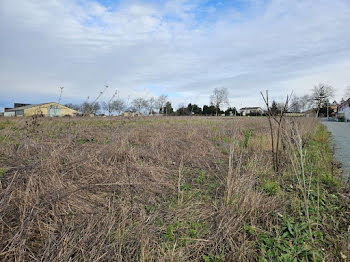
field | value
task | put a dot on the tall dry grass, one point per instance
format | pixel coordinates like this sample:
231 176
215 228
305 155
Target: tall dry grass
115 189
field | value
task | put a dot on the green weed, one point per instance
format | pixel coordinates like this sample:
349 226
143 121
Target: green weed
290 243
211 258
185 187
196 230
2 172
247 135
271 187
148 209
200 178
169 235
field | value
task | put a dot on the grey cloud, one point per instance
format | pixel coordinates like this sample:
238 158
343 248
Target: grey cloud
53 43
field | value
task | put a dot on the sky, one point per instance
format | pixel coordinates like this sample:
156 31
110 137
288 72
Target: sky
180 48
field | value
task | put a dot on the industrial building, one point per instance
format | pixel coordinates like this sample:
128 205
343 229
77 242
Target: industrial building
46 109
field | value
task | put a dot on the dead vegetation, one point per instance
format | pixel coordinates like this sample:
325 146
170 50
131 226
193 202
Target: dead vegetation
163 189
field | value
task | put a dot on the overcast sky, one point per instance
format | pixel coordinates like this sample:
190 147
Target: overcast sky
180 48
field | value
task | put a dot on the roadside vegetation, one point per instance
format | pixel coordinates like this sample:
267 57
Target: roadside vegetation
169 189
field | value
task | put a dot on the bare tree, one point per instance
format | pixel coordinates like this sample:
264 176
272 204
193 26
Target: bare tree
305 102
108 106
117 106
151 104
219 97
120 106
90 108
139 104
295 105
321 95
160 102
300 103
347 93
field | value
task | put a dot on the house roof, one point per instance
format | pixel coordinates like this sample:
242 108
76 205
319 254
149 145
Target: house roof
29 106
25 107
346 102
250 108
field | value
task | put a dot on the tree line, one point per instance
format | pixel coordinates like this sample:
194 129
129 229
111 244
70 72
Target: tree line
156 105
319 100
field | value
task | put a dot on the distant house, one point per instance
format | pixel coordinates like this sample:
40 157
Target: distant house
46 109
344 110
334 106
131 113
251 111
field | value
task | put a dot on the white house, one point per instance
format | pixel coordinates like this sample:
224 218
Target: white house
344 109
251 111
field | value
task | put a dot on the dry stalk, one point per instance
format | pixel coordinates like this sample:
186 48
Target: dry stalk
269 116
278 119
229 178
179 191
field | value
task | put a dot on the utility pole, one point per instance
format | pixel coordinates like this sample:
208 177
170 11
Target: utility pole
101 93
327 109
97 98
113 96
61 91
59 99
110 101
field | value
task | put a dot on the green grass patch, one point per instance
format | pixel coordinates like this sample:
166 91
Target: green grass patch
2 172
82 141
6 124
271 187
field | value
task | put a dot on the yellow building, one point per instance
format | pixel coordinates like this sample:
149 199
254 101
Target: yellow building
130 113
46 109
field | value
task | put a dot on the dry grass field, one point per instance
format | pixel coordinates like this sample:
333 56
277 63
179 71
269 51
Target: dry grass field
166 189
